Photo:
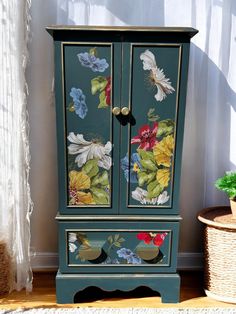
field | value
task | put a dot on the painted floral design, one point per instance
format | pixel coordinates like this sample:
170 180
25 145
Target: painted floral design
87 150
157 77
89 60
150 165
155 238
78 105
102 85
131 172
88 175
128 255
146 137
111 249
140 195
79 184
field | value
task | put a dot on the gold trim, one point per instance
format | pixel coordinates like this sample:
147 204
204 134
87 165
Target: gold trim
168 264
63 43
191 31
132 45
170 218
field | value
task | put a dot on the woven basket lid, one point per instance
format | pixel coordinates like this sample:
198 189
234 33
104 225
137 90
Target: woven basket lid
218 216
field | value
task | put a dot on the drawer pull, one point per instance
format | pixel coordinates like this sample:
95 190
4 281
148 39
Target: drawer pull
116 111
125 111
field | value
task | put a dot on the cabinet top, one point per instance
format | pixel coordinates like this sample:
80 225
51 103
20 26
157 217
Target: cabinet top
187 30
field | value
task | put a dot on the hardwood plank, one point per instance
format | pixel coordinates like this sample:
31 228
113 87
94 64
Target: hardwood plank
43 296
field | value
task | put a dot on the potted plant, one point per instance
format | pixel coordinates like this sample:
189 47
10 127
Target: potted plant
227 183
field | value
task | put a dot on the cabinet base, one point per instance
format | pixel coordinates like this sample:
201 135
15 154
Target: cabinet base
68 285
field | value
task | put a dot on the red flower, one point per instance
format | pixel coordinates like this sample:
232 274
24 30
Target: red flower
108 91
157 239
146 137
146 237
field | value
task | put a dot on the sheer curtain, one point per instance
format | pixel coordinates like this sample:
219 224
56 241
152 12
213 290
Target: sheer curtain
210 129
15 200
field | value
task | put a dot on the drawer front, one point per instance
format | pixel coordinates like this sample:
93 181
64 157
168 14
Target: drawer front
118 247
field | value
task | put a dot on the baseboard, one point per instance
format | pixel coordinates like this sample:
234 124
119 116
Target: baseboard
190 261
48 261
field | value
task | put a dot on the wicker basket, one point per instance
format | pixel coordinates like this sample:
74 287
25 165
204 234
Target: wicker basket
220 253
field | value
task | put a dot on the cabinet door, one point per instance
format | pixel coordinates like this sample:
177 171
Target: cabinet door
154 91
88 143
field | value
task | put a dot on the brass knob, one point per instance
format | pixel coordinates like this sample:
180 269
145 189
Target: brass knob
125 111
116 111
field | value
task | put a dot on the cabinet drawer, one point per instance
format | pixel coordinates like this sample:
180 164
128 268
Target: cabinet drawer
120 246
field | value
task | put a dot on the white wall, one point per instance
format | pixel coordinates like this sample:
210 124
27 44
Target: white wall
197 188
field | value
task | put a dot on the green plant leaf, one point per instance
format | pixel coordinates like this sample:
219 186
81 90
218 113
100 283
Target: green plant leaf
146 155
148 164
91 168
101 179
154 189
98 84
227 184
165 127
100 196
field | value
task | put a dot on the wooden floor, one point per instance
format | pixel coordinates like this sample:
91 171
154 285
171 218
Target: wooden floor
43 296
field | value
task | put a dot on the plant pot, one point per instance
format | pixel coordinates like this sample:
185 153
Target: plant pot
233 208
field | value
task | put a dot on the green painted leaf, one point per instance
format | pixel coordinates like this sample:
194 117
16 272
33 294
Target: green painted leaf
121 240
98 84
101 179
71 107
91 168
148 164
142 178
117 244
146 154
116 237
102 98
110 239
154 189
100 196
165 127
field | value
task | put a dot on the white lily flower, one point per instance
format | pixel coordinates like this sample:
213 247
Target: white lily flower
163 198
72 237
86 150
72 247
157 75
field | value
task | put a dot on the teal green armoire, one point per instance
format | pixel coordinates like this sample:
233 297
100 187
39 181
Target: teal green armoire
120 104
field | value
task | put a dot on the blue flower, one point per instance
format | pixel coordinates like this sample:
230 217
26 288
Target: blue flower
130 256
135 166
89 60
80 106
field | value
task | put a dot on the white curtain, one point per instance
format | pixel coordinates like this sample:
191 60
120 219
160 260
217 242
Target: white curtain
15 200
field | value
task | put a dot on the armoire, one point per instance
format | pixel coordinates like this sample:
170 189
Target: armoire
120 96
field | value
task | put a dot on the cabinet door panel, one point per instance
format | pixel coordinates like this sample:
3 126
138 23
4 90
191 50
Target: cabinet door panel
151 74
90 133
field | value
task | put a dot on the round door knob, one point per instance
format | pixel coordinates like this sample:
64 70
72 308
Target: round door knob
116 111
125 111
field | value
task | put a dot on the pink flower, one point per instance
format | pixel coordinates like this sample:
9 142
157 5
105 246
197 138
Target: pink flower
146 137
